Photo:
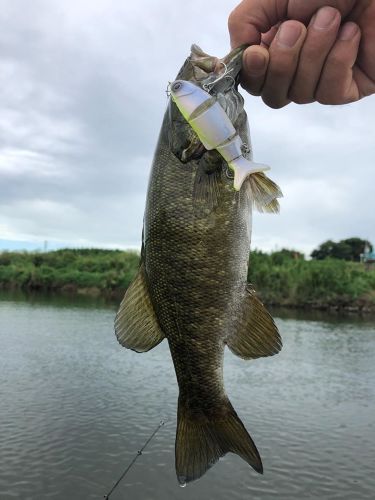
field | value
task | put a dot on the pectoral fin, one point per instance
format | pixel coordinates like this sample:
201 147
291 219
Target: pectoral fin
136 325
257 335
206 191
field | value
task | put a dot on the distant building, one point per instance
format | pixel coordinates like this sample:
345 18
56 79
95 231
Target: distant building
368 257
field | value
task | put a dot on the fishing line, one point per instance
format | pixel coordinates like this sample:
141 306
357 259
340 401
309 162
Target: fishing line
207 86
139 453
168 89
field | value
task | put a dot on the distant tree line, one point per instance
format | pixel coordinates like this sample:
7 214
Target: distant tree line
348 249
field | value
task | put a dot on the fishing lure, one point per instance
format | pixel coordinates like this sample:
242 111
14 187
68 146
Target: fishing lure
214 128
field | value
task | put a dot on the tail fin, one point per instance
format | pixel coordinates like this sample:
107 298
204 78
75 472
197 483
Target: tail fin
200 442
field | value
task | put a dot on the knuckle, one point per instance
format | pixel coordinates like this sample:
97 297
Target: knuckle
274 103
329 98
324 97
233 21
304 101
335 61
253 88
256 91
334 90
335 99
300 99
280 71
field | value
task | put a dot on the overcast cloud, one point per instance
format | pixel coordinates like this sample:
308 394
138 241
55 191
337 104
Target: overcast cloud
82 95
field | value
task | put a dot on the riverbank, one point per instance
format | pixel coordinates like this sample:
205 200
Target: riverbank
87 272
281 278
286 279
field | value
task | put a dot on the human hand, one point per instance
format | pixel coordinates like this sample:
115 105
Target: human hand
320 50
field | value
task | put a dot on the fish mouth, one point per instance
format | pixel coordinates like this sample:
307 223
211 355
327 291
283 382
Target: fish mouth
206 70
220 78
227 72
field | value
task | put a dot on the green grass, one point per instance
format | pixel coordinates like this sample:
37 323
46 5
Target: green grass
282 278
106 270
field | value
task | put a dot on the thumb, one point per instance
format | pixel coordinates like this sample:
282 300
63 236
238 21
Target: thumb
253 17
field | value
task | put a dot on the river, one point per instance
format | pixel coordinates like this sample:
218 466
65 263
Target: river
75 407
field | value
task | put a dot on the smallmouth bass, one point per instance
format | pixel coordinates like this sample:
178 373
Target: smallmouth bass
191 287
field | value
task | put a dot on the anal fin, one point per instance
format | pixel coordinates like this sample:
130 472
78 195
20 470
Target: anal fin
257 335
136 325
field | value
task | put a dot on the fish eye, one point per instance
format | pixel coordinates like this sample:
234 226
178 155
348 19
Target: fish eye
176 86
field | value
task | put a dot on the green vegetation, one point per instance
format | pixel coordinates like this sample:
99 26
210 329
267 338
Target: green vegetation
92 271
349 249
285 278
280 278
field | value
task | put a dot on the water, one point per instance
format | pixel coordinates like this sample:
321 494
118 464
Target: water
75 407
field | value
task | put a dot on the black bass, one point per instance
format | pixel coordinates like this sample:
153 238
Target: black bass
191 287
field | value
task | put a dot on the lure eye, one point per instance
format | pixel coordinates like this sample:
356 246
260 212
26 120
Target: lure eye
176 86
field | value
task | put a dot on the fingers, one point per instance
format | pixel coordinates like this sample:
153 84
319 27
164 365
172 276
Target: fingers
337 85
254 68
320 38
284 53
270 72
253 17
268 37
306 65
300 65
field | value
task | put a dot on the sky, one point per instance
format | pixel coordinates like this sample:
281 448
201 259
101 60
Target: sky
82 96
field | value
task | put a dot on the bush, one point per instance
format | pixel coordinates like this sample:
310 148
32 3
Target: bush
84 268
288 280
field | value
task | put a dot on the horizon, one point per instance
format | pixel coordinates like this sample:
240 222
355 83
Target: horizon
47 246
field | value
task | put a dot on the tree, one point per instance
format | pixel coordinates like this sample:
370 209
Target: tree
281 256
348 249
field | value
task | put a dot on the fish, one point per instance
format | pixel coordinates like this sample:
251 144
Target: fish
191 287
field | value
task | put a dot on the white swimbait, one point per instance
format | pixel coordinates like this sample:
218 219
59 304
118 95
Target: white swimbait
214 128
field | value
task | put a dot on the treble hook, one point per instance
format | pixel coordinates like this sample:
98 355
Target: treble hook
207 86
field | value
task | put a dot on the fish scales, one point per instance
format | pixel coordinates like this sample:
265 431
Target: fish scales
195 289
191 287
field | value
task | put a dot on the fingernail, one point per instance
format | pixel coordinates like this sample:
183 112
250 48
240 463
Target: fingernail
255 63
324 18
288 35
348 31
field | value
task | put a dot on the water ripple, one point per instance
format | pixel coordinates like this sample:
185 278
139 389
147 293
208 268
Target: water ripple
76 407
